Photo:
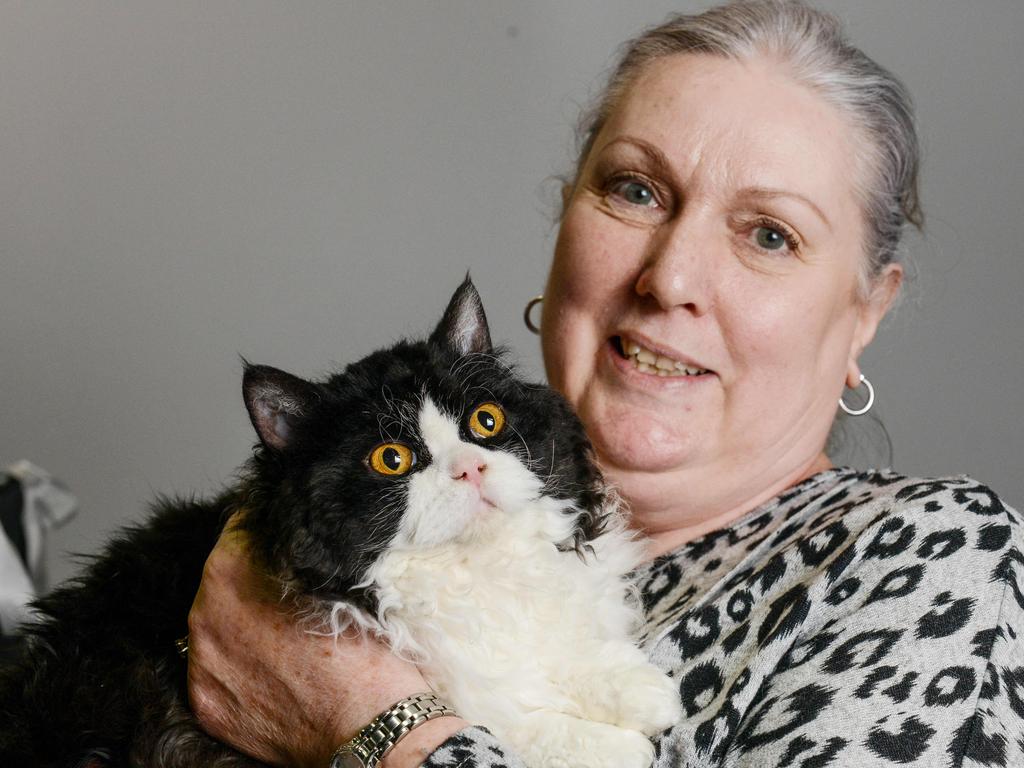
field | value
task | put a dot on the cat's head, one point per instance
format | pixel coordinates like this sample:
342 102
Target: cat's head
412 446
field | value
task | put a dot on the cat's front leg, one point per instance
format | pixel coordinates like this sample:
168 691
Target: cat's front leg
551 739
621 687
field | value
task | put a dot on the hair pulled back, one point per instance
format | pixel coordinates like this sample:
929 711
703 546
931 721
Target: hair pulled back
813 48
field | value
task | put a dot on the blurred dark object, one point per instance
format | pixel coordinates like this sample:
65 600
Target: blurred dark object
12 501
10 648
32 503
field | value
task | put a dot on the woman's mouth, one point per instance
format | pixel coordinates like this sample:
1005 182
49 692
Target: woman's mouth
648 361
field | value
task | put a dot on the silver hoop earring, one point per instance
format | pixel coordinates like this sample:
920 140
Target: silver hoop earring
526 313
864 408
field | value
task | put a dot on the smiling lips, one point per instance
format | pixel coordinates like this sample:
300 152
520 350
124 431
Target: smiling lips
648 361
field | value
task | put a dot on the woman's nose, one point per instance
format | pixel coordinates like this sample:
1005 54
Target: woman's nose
469 467
677 268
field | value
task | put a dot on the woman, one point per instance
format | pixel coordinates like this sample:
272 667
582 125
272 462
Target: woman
727 250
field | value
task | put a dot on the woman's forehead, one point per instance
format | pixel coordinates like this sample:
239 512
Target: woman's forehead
736 125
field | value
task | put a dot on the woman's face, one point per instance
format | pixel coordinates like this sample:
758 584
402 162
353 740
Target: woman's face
714 229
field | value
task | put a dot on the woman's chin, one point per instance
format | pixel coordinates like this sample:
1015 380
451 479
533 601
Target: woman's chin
640 443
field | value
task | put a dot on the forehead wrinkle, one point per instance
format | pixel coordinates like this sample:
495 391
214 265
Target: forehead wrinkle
701 146
718 170
657 159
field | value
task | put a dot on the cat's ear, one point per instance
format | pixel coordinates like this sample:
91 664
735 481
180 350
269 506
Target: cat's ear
276 401
464 325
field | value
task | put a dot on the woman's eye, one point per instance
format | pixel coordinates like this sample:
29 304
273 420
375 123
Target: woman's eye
487 420
635 193
391 459
774 237
770 239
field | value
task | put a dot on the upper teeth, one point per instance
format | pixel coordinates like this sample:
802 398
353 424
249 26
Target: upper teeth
647 361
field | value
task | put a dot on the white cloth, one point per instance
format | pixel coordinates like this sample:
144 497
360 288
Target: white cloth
47 504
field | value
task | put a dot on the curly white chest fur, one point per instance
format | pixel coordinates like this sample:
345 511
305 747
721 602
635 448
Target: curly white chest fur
533 642
520 634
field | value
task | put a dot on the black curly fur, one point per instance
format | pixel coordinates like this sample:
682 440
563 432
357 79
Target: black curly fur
101 674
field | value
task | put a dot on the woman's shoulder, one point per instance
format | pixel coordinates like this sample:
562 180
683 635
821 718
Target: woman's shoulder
869 539
873 540
881 517
872 497
933 493
942 540
946 510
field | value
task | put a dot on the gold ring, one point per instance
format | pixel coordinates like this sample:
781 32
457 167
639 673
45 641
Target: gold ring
182 645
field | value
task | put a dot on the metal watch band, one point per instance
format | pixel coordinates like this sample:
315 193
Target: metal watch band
384 731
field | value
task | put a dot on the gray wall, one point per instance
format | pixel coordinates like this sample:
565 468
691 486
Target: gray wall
299 183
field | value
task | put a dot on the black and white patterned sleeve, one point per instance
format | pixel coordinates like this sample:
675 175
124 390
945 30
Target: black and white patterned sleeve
994 736
473 747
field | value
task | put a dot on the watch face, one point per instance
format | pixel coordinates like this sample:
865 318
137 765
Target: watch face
345 758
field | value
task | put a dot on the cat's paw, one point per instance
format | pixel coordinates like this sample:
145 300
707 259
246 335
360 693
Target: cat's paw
555 740
620 749
647 700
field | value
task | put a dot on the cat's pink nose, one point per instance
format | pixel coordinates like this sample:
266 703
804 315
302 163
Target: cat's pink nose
469 467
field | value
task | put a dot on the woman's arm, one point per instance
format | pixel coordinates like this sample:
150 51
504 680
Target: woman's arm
273 691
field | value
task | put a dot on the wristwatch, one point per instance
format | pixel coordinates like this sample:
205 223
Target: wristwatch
374 741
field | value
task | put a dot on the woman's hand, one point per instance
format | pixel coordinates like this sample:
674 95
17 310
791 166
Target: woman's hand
258 682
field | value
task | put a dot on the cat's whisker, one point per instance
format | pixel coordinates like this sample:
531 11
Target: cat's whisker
483 389
391 504
458 365
408 413
517 433
386 506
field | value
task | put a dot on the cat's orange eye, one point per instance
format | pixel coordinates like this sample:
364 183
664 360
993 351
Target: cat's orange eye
391 459
488 420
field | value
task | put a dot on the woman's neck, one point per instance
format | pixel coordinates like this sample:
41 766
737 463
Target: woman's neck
672 516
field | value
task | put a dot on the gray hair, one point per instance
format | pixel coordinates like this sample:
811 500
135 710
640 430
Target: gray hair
813 47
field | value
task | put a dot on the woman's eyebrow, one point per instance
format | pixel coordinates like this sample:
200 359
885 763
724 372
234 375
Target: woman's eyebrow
655 156
662 165
769 194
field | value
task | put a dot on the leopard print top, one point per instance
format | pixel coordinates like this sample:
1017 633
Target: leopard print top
860 619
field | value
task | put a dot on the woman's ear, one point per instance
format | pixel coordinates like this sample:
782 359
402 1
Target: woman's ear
885 287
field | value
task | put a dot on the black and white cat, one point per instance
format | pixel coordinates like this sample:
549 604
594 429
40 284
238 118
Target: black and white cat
424 494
